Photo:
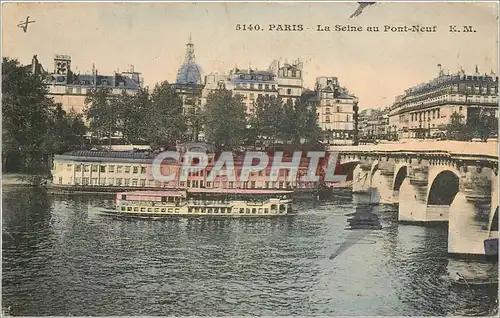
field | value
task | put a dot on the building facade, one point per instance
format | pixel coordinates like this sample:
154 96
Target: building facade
118 169
250 84
374 125
425 110
336 110
70 89
290 81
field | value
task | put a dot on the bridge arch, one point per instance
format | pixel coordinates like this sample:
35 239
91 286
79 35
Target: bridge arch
347 168
399 177
494 221
373 169
443 188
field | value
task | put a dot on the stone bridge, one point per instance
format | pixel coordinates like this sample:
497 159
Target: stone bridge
433 181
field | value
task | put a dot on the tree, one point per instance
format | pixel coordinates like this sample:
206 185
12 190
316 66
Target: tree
25 119
33 127
270 117
102 112
457 129
165 120
66 131
133 115
225 122
486 125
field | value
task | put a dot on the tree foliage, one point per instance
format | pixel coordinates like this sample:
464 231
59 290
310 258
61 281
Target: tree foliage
293 123
102 112
457 128
225 122
482 126
33 126
133 111
165 119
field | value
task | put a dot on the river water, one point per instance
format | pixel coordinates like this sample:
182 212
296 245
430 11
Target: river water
59 259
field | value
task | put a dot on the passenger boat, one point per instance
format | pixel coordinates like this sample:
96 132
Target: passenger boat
202 202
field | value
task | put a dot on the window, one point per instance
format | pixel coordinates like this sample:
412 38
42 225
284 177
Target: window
327 110
231 184
127 182
102 181
103 168
267 86
294 73
85 181
94 168
143 170
86 168
260 86
338 109
110 181
347 118
134 183
77 180
289 91
78 168
118 181
111 169
68 167
127 169
135 169
252 86
327 119
119 169
252 96
60 180
94 181
143 182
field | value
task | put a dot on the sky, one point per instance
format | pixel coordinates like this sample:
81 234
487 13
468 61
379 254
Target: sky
374 66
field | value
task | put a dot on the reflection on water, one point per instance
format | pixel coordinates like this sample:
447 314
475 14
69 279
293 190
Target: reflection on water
59 259
363 222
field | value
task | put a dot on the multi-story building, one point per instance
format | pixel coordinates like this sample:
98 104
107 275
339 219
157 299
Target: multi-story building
250 84
425 110
374 124
212 82
70 89
290 81
336 110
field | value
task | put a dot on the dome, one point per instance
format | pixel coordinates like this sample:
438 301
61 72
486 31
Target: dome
189 73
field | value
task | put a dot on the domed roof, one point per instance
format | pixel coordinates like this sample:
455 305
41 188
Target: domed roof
189 73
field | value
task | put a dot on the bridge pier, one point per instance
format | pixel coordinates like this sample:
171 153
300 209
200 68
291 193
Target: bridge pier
470 220
413 196
362 191
383 179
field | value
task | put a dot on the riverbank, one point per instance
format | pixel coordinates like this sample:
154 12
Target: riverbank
16 179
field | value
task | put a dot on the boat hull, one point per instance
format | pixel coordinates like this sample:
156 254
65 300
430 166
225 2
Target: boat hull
140 215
